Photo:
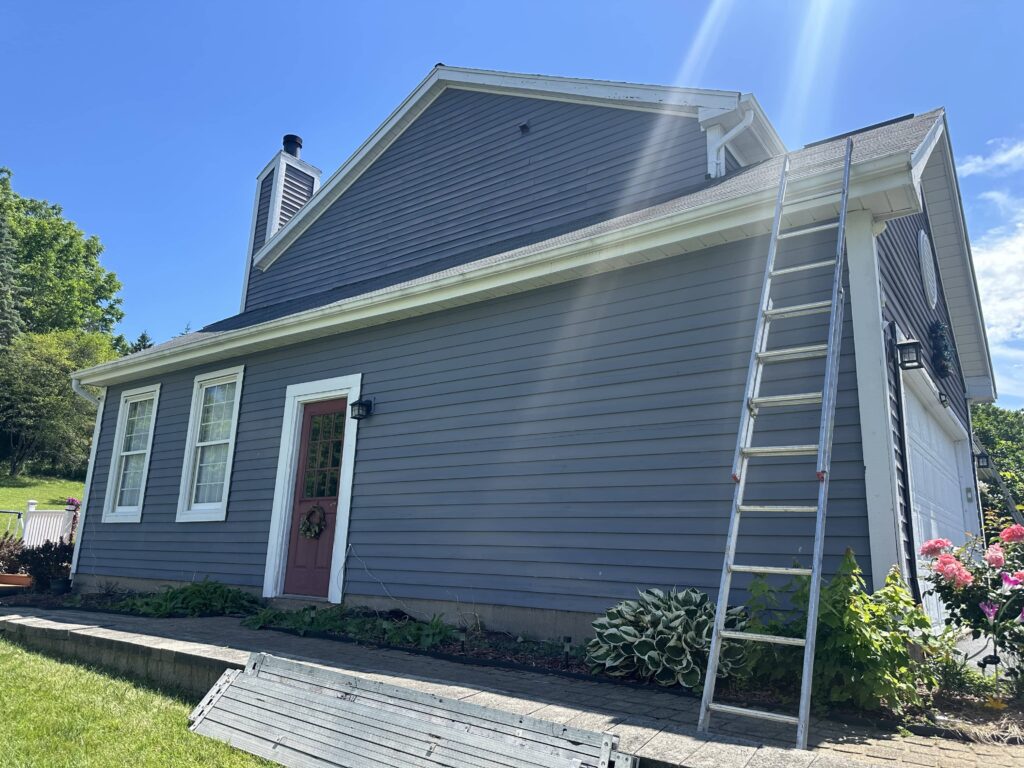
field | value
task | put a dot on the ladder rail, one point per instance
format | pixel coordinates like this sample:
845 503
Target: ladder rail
762 323
835 329
745 451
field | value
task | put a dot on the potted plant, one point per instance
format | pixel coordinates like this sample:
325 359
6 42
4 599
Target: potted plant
11 568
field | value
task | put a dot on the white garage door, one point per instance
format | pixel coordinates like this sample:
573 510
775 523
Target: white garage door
941 483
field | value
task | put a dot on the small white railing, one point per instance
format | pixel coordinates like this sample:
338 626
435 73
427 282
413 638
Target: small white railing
42 525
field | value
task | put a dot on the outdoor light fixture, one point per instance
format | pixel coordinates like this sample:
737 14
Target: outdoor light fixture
982 459
910 354
944 399
361 409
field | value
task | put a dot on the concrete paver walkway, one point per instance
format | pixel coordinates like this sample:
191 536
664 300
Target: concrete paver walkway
658 726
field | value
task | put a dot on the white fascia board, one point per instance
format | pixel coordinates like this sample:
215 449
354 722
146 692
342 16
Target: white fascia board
968 324
663 237
686 101
682 101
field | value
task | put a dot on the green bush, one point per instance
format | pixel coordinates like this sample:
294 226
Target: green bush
664 637
866 643
201 598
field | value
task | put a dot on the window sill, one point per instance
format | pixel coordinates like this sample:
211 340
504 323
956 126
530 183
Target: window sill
122 517
201 516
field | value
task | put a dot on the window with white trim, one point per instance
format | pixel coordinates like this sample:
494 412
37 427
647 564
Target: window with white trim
129 464
210 446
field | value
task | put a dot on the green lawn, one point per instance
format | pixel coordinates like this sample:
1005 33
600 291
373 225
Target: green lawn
50 492
59 715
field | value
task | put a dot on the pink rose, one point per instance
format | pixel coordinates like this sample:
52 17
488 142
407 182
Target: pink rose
1012 534
934 547
994 556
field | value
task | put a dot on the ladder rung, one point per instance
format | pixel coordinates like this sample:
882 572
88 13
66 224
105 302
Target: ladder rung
778 510
725 709
797 232
770 569
799 310
810 198
778 401
793 353
781 450
757 637
804 267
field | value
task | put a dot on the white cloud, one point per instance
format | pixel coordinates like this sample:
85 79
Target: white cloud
1008 360
1006 157
999 263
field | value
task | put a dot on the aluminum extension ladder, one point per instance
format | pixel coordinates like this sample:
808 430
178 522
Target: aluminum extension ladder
745 451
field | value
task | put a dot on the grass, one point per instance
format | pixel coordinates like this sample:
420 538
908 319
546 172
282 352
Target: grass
62 715
50 492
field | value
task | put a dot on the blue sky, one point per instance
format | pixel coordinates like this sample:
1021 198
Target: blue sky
149 122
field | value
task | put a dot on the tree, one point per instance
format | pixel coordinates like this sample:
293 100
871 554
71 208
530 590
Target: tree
1001 432
11 292
142 342
41 417
58 267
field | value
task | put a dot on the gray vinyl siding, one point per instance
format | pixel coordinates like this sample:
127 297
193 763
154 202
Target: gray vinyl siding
558 448
905 302
464 182
263 212
295 193
906 306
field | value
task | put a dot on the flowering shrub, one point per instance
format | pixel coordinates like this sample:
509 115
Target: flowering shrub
982 587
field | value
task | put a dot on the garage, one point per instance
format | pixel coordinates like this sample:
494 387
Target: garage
942 487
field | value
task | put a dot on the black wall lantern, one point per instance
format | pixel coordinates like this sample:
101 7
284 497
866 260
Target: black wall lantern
910 354
983 460
361 409
944 399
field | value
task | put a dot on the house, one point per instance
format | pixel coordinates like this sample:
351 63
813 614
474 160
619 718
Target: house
495 363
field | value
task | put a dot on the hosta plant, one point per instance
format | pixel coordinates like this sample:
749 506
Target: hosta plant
664 637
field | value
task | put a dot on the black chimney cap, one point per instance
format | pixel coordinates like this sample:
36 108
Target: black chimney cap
292 144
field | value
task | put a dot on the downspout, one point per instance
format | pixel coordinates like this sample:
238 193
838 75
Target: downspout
84 393
736 130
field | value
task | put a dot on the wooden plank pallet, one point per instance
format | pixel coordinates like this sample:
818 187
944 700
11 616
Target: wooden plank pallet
312 717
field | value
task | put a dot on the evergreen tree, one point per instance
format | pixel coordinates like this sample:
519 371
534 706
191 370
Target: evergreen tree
141 343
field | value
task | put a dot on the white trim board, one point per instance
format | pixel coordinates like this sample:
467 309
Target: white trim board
111 512
97 425
296 396
881 483
207 512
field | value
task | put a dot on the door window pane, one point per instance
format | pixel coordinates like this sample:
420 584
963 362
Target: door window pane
323 455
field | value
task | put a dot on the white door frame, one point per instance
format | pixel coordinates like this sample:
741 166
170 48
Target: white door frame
296 396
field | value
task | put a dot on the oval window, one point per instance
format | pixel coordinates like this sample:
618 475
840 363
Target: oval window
924 252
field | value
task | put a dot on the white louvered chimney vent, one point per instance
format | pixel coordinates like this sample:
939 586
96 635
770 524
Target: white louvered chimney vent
282 188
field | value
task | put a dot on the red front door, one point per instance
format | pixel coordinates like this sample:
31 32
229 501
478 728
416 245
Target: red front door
317 479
